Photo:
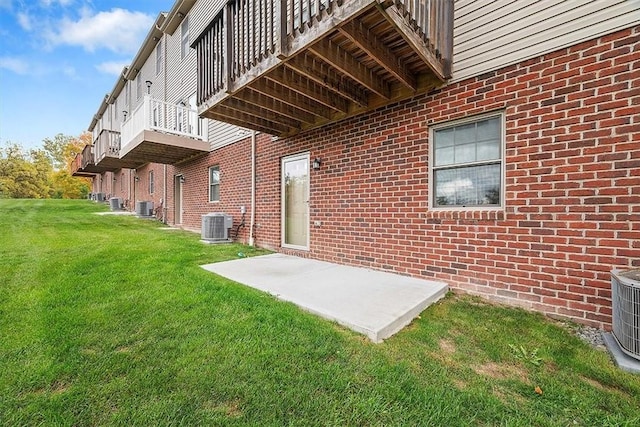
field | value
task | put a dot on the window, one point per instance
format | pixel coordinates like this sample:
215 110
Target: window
184 38
122 182
467 167
214 184
159 57
151 183
138 85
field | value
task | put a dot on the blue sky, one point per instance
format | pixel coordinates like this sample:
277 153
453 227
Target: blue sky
58 58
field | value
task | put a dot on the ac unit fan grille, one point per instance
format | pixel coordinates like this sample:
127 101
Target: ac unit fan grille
215 227
626 312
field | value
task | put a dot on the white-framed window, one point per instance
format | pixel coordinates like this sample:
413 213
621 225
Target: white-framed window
151 183
159 57
467 163
214 184
184 38
139 86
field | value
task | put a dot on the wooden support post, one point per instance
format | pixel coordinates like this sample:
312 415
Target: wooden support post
280 29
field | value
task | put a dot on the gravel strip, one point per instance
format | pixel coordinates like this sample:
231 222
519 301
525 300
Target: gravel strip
590 335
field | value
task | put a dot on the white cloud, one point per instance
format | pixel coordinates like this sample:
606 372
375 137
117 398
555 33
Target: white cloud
118 30
112 67
16 65
25 21
47 3
449 188
69 71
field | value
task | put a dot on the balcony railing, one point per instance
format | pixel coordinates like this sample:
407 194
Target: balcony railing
107 145
282 66
156 115
88 158
161 132
76 166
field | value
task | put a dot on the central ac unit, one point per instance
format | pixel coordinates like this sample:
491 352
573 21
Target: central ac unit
100 197
215 227
115 203
144 209
625 294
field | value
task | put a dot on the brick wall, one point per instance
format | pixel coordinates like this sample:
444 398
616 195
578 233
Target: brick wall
141 187
572 210
234 162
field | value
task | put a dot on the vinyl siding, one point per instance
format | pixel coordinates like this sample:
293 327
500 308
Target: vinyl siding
182 73
491 35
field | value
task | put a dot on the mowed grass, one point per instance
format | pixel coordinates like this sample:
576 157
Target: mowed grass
108 320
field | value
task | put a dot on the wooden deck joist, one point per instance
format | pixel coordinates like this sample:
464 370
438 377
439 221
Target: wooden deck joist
293 65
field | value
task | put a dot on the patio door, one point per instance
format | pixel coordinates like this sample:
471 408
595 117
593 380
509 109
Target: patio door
295 202
177 199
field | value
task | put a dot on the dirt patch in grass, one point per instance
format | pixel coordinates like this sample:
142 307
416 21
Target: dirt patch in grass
597 384
447 346
230 409
500 371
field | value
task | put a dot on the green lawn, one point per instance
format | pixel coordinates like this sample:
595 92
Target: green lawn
108 320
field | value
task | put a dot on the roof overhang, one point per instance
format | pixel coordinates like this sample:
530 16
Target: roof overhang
179 10
149 44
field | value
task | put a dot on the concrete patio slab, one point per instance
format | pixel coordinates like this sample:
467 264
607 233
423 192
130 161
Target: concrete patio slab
374 303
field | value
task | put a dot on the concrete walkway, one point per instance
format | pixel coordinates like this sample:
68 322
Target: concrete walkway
374 303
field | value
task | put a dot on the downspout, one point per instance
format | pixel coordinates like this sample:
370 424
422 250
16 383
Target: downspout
164 197
253 187
165 205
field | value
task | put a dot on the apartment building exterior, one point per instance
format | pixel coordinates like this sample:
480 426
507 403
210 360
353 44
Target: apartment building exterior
491 145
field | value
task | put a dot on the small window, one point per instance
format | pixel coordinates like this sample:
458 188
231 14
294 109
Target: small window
467 165
151 183
214 184
184 38
159 57
122 182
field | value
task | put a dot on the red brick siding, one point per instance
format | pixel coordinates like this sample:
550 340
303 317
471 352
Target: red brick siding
141 187
572 184
235 188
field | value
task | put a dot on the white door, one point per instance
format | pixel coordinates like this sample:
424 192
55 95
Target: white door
295 202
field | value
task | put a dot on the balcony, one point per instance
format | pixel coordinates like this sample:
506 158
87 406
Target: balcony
107 152
284 66
77 169
84 163
161 132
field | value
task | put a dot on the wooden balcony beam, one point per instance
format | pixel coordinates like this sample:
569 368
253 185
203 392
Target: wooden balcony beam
287 96
275 105
256 111
227 115
347 64
319 72
369 43
309 88
413 40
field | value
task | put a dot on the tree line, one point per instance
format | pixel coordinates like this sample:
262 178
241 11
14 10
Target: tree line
43 173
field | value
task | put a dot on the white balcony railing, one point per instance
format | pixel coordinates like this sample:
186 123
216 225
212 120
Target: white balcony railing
107 145
156 115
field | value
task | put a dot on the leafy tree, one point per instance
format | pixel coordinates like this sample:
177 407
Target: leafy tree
45 172
61 150
21 176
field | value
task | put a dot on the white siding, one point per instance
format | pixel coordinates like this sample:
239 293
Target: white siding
492 34
182 73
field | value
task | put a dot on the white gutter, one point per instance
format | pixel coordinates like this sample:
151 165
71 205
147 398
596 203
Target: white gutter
253 187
